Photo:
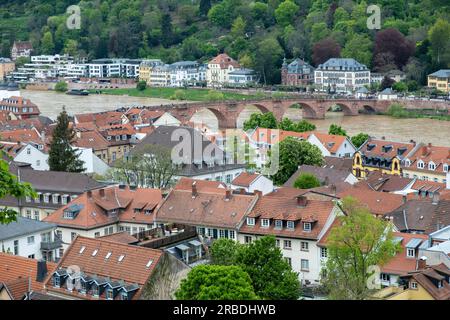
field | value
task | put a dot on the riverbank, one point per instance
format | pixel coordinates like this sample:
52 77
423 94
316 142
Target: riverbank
402 113
180 94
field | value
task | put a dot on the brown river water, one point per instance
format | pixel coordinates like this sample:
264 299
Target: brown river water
422 130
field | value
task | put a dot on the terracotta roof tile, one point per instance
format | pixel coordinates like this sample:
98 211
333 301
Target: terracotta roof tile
244 179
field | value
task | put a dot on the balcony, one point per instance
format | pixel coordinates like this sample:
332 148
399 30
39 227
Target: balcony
52 245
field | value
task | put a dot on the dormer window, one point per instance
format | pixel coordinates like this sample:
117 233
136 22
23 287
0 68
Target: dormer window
56 281
251 221
420 164
445 167
109 294
307 226
290 225
413 285
407 163
410 252
124 137
265 223
55 198
124 295
279 224
431 166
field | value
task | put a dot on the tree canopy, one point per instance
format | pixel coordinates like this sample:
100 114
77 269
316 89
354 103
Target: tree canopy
306 180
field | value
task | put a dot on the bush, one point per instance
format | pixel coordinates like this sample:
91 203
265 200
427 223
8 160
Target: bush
178 95
214 95
397 110
61 86
141 85
306 181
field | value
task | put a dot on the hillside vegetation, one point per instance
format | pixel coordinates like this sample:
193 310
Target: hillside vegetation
415 35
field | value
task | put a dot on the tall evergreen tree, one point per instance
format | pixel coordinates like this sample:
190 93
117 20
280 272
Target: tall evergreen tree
62 157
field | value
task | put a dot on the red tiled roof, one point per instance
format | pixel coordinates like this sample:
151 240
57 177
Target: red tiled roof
379 203
94 209
225 61
429 153
329 141
19 103
133 268
201 185
378 151
244 179
91 139
100 119
277 208
121 237
208 208
14 267
21 135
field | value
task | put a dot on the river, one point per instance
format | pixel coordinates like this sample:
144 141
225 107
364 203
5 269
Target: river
421 130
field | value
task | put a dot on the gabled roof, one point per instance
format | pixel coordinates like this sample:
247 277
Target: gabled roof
224 61
378 181
245 179
133 268
202 185
14 267
385 149
94 207
325 175
443 73
427 279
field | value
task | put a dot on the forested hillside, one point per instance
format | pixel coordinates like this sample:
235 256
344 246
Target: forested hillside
415 35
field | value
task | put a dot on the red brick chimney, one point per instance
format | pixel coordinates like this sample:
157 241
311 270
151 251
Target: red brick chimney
422 263
102 192
228 194
89 194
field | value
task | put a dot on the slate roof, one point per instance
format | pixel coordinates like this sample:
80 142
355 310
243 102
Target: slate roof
325 175
23 226
343 64
443 73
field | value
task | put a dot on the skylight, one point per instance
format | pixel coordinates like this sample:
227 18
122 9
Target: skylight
94 252
82 249
121 257
149 263
108 255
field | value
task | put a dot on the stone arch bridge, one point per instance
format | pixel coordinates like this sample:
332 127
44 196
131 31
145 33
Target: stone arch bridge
227 112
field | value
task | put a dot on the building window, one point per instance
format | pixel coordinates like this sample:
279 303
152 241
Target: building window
287 244
323 252
97 234
248 239
304 246
56 281
307 226
31 256
109 294
73 235
413 285
228 178
265 223
277 243
16 247
304 265
411 253
221 233
290 225
28 214
288 260
30 240
251 221
278 224
231 234
36 215
385 277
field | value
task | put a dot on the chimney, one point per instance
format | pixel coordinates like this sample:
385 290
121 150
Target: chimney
422 263
424 150
242 191
302 201
404 198
227 194
333 189
194 189
258 193
102 193
41 271
326 181
89 194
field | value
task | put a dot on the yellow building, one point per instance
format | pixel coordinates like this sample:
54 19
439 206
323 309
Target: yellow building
430 283
381 155
440 80
6 67
154 72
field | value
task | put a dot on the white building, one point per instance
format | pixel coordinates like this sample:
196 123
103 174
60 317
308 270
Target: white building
341 75
252 183
218 70
387 94
242 77
186 73
167 120
31 239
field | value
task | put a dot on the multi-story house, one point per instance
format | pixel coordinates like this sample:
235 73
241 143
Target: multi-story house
386 156
429 163
159 76
145 69
216 212
21 107
341 75
106 210
187 73
107 270
30 238
261 140
242 77
298 224
219 68
198 158
21 49
6 67
297 73
252 182
54 190
440 80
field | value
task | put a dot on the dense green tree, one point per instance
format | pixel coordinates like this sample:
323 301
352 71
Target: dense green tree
223 252
141 85
268 57
336 130
386 83
304 126
306 180
204 7
238 27
11 186
62 156
439 35
359 139
47 45
293 153
359 47
358 242
261 120
272 276
400 86
213 282
285 13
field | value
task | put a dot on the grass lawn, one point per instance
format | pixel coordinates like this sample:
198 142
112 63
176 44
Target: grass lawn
167 93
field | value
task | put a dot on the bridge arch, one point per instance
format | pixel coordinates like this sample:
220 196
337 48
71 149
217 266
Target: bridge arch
308 112
222 121
367 109
345 108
